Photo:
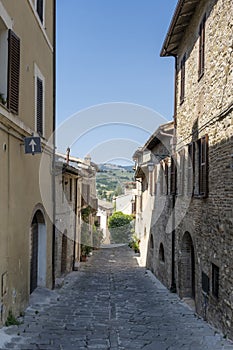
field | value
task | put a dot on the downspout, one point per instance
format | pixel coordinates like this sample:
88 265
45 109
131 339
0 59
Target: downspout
173 281
54 142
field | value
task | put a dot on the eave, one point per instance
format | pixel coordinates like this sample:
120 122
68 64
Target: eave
180 21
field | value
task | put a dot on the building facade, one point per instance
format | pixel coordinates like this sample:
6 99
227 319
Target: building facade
105 210
26 109
200 39
152 204
76 207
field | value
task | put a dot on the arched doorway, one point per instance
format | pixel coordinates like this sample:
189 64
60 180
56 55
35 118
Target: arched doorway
187 267
64 252
38 259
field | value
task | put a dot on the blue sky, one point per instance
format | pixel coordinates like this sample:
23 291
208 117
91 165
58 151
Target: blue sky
108 51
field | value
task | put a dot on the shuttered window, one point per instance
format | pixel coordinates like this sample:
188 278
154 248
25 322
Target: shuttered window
203 166
13 72
39 106
40 9
182 79
201 48
173 175
191 169
181 170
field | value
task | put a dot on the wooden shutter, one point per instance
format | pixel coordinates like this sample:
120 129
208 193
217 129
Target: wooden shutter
181 172
39 106
201 48
173 174
191 168
182 81
13 72
203 166
166 177
40 9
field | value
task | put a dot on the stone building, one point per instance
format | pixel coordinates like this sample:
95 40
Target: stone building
75 191
200 38
105 210
152 162
26 109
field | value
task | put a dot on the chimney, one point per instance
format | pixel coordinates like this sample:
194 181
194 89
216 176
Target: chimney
68 155
87 159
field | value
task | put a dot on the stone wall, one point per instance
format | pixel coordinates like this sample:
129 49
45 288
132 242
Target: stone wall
207 109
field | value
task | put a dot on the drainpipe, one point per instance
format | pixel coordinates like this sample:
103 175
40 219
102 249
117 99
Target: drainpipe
54 141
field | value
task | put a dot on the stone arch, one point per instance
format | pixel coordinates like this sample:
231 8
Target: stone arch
187 267
161 253
38 256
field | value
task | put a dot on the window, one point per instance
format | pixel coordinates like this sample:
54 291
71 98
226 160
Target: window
191 168
182 79
198 168
161 253
40 9
203 165
180 187
205 282
215 280
13 72
39 101
201 48
173 175
9 68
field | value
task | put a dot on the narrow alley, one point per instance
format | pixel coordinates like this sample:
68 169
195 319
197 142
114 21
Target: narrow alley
111 303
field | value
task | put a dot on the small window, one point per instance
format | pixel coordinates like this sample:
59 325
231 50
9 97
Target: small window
205 282
40 9
173 175
161 253
182 79
201 66
215 280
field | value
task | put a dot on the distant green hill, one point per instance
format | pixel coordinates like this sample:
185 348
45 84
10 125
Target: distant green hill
111 180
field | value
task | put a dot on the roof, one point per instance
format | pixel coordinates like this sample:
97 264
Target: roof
180 21
163 131
105 204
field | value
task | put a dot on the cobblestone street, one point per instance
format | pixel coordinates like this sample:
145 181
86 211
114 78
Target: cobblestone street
111 303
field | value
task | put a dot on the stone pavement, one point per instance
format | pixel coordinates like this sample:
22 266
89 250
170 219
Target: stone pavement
111 303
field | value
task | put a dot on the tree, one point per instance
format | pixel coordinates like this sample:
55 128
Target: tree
120 227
